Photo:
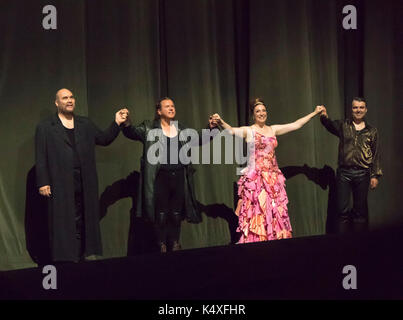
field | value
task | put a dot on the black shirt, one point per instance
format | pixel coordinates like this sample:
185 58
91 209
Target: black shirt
356 148
171 162
76 159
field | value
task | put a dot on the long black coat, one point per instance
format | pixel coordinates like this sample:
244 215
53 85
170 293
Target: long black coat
148 172
54 167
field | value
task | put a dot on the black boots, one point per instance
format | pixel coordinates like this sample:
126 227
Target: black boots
176 246
163 247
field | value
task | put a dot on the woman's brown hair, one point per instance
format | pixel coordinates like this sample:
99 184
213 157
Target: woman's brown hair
255 102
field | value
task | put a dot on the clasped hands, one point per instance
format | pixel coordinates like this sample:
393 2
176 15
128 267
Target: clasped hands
321 110
215 119
122 116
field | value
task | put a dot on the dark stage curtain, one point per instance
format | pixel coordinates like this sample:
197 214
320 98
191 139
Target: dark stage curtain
209 56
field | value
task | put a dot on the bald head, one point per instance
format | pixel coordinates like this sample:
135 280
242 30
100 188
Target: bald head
63 91
65 101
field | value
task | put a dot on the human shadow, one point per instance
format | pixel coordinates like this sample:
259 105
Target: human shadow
36 222
141 233
325 178
220 210
36 219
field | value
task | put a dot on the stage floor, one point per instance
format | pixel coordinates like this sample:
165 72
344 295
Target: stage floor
299 268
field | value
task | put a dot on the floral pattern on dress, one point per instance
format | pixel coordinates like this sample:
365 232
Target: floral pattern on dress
262 206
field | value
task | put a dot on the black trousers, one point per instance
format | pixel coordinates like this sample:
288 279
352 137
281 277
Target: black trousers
355 182
169 198
79 214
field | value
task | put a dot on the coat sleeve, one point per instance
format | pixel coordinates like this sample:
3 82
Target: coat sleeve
376 170
201 136
210 134
41 158
105 138
333 126
137 132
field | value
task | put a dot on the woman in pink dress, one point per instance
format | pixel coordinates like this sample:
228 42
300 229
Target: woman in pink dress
262 206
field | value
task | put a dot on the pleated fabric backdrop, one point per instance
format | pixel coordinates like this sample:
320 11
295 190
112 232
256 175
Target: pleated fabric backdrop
209 56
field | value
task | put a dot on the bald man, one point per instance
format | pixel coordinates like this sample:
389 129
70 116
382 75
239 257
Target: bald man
66 175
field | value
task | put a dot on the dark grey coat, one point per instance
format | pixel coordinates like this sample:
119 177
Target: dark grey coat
145 198
54 167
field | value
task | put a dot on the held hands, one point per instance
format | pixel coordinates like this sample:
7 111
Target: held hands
320 109
45 191
212 122
122 116
323 112
374 183
215 120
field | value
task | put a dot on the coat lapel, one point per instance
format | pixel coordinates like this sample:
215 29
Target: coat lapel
78 130
59 129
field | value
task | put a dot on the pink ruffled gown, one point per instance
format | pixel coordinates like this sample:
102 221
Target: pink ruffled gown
262 206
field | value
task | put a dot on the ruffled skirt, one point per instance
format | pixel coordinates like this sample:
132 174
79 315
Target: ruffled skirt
262 207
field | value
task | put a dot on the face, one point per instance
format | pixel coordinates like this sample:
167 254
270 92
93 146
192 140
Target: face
65 101
359 110
167 109
260 113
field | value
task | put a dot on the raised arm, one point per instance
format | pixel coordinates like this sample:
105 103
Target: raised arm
240 132
133 132
106 137
212 129
280 129
333 126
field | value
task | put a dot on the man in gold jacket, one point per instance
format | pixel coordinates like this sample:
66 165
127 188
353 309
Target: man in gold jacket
358 164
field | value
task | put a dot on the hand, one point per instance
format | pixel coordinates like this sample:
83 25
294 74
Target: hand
324 112
128 121
45 191
374 183
319 109
212 122
121 116
216 119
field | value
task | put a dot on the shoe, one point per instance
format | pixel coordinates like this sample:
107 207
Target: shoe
176 246
163 247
